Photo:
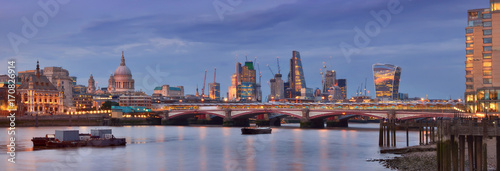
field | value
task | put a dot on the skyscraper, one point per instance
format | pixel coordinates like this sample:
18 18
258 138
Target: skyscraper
342 83
214 91
243 83
386 78
296 76
277 88
330 80
482 66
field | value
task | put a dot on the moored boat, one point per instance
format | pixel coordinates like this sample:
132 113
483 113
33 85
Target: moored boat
72 138
256 130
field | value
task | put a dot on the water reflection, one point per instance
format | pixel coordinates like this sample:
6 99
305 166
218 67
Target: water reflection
207 148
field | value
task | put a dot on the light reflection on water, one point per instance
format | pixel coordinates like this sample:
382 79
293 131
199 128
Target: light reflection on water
207 148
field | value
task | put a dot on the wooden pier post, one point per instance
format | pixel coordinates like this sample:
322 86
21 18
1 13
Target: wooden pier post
470 151
394 133
388 133
479 152
498 151
454 153
380 135
407 138
461 148
419 133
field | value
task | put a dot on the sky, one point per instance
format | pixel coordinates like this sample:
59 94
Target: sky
173 42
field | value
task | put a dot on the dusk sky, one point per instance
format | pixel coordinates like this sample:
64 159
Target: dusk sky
173 42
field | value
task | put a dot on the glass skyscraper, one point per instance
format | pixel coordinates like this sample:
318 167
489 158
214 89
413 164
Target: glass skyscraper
296 76
386 78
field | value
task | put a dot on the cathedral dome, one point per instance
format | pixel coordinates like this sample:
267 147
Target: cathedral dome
123 69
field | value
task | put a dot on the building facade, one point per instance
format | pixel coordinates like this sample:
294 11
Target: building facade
123 78
169 92
386 78
243 83
214 91
296 76
342 83
63 82
135 100
482 64
38 95
330 80
277 88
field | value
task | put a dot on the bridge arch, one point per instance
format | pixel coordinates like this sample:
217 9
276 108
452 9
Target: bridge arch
347 113
249 114
188 114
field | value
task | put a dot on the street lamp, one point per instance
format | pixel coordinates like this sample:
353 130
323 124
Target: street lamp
296 99
323 98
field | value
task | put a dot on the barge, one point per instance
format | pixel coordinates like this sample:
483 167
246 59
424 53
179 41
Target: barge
256 130
72 138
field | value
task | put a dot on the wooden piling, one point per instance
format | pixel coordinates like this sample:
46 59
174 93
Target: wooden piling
407 138
461 148
454 153
394 133
388 133
470 151
498 152
479 152
380 135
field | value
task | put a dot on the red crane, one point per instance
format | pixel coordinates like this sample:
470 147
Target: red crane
204 82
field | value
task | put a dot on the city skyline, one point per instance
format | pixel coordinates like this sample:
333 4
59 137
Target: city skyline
180 45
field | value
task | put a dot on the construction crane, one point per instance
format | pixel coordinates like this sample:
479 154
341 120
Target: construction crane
260 73
278 61
270 69
204 82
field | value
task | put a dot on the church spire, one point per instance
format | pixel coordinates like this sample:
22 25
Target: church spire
37 69
123 60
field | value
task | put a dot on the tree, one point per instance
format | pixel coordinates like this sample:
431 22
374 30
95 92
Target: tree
107 105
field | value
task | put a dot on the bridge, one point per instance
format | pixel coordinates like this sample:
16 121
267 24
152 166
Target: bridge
310 114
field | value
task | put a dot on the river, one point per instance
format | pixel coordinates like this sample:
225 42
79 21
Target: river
208 148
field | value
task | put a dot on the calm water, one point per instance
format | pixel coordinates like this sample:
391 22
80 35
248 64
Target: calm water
207 148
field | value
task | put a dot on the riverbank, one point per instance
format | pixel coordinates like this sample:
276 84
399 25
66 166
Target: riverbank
424 157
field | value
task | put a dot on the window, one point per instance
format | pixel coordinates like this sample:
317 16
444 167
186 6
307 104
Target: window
487 72
470 87
468 72
469 30
486 55
487 24
487 15
469 45
495 6
486 32
470 58
469 37
487 40
486 48
487 64
469 52
486 80
468 80
468 65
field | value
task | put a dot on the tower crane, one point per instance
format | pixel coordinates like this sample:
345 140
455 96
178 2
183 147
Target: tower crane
270 69
204 82
278 61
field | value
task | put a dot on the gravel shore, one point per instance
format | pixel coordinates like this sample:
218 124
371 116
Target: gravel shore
418 158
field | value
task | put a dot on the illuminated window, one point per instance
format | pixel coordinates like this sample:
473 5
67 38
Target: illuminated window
486 55
487 24
469 45
487 72
486 64
469 37
487 81
495 6
486 32
473 15
468 65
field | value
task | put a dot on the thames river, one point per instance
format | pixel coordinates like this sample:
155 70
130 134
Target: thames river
208 148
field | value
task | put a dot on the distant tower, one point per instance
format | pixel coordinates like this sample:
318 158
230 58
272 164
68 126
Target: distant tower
91 88
296 76
111 84
123 78
330 80
386 78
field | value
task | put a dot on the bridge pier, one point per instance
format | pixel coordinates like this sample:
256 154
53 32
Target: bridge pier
305 122
336 122
262 120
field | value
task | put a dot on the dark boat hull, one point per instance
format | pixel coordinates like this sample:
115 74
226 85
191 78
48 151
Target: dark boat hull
255 131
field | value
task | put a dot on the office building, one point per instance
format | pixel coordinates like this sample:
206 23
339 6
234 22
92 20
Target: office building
482 67
342 83
296 76
386 78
